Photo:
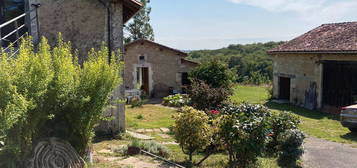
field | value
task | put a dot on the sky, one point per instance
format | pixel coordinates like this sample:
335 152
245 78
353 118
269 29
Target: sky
213 24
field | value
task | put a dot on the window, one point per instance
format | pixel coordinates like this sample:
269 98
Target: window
142 59
185 80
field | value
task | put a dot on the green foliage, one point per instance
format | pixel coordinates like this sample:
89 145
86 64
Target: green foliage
214 73
243 130
152 147
204 97
139 27
192 131
48 94
250 62
137 102
280 123
177 100
291 147
139 117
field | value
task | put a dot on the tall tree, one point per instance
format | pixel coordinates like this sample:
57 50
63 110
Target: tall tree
139 27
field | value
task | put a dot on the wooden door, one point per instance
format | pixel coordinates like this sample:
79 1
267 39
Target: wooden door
284 88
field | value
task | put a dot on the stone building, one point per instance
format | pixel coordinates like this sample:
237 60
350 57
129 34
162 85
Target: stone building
86 23
156 69
318 70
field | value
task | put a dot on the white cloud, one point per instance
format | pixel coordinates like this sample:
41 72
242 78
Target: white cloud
309 10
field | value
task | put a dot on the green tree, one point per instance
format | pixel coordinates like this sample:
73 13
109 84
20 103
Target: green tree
139 27
214 73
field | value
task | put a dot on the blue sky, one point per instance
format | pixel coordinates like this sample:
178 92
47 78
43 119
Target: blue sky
212 24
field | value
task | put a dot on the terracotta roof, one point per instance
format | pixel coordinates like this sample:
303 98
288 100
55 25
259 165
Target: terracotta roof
131 7
160 45
328 38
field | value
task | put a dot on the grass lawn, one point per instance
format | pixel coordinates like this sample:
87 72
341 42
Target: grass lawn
314 123
250 94
149 116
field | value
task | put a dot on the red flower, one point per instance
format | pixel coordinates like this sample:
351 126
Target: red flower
214 112
270 135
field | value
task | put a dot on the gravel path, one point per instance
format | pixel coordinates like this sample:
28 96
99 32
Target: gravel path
325 154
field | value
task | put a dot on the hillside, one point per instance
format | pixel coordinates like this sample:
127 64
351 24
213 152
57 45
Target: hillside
250 62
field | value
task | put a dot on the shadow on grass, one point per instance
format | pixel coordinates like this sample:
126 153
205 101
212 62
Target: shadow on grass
350 136
312 114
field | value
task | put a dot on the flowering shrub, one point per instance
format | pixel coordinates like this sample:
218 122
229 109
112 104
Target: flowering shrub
290 147
192 130
244 129
177 100
280 123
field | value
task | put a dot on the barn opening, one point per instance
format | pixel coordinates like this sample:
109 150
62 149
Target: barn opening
339 83
284 88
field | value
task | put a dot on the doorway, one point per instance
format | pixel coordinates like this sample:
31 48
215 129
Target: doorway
284 88
339 83
142 78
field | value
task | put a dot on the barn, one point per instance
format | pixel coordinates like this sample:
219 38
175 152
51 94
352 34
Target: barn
318 70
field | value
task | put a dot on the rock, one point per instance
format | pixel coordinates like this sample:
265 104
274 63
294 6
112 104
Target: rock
53 153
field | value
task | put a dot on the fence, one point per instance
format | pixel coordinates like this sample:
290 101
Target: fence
10 39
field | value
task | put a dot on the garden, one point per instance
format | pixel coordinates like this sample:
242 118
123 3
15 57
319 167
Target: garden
227 132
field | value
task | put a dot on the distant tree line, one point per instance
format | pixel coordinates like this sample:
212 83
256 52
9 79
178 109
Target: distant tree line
250 62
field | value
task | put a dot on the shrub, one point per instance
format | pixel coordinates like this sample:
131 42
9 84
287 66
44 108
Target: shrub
151 147
204 97
177 100
136 102
280 123
243 130
192 131
291 147
48 94
213 73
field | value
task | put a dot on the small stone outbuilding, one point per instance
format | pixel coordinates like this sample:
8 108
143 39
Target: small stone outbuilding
155 69
318 70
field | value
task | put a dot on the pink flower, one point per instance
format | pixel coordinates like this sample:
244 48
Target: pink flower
214 112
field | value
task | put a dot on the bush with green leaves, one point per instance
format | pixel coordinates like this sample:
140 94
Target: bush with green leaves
151 147
279 123
177 100
204 97
46 93
290 147
137 102
214 73
243 130
192 131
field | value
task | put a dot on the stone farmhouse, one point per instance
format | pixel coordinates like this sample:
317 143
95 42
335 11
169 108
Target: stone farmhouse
318 70
155 69
86 23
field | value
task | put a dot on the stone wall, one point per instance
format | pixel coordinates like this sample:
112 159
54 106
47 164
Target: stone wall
83 22
306 74
164 65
